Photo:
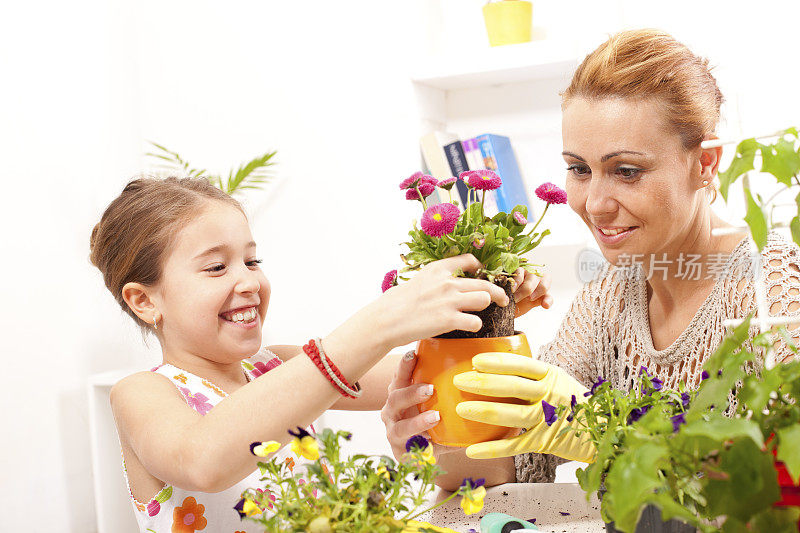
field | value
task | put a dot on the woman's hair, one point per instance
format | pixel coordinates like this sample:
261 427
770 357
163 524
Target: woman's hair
133 238
647 63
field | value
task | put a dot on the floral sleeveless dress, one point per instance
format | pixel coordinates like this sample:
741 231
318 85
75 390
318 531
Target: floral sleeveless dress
174 510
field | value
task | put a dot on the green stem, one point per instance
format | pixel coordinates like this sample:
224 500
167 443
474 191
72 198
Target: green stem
483 199
421 199
432 508
540 219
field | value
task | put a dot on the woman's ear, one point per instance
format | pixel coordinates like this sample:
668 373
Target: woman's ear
139 299
709 163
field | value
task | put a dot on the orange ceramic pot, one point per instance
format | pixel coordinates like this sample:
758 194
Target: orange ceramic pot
438 360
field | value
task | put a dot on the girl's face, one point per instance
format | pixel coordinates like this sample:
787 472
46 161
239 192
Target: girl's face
628 177
213 295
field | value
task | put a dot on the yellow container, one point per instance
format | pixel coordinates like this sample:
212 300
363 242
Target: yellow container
508 22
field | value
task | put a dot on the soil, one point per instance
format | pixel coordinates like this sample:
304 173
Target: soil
497 321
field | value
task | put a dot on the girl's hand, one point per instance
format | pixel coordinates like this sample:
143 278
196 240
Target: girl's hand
531 291
435 301
401 415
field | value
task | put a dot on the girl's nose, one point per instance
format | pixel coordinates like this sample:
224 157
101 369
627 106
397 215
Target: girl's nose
248 281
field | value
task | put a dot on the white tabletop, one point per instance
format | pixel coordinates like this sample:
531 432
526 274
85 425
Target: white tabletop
543 501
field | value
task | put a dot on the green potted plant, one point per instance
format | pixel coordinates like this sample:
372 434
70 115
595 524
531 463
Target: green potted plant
360 494
251 175
500 244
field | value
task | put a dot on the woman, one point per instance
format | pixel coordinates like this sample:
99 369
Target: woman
634 117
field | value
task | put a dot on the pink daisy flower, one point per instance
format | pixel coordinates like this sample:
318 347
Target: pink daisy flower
551 194
440 219
484 180
519 218
426 184
425 188
447 184
389 280
478 242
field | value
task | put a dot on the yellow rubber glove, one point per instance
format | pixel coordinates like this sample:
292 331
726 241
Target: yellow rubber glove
516 376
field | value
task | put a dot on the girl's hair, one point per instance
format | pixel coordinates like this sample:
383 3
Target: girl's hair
132 239
650 63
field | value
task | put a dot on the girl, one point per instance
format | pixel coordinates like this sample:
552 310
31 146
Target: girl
634 116
179 258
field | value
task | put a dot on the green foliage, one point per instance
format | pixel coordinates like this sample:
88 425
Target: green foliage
251 175
781 159
361 494
720 463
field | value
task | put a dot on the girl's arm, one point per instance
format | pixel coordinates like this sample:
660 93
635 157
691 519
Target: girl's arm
374 384
211 453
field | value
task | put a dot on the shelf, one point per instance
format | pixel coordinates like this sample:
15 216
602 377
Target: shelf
536 60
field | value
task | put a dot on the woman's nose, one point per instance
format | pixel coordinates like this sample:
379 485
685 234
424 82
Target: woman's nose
600 199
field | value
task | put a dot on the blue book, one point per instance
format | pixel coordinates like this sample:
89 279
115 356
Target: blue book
499 156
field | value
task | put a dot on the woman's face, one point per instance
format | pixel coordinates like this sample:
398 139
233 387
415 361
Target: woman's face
211 287
628 177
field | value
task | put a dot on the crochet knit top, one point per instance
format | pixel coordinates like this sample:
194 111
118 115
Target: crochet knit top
606 331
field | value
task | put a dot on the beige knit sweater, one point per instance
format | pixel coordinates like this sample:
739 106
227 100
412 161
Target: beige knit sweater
607 329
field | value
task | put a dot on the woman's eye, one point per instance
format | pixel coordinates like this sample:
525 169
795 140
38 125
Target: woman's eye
629 172
579 170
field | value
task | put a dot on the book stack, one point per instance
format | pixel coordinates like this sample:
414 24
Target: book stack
446 155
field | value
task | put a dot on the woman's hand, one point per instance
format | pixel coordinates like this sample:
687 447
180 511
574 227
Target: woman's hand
401 415
435 301
531 291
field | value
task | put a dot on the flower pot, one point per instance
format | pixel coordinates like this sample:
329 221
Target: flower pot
438 360
508 22
650 521
790 491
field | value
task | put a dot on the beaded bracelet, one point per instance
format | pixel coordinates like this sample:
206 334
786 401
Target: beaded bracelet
316 353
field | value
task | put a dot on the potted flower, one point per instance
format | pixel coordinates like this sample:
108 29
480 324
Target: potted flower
361 494
500 244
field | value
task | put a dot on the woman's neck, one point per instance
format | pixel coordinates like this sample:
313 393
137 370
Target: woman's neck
693 263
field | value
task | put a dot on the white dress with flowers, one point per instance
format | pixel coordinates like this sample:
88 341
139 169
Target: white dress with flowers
175 510
606 332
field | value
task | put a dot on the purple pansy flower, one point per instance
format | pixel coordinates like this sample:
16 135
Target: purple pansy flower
440 219
551 194
637 413
389 280
704 376
677 420
550 415
417 441
595 386
484 180
572 404
470 483
685 400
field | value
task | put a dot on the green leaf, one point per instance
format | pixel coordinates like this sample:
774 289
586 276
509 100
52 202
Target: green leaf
780 160
254 171
631 482
723 428
742 162
757 221
789 450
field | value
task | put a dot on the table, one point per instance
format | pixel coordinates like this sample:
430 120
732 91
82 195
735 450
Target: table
543 501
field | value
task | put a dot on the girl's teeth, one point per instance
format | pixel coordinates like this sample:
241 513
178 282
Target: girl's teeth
247 316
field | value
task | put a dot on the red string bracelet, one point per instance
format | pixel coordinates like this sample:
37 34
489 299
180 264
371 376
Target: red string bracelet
330 371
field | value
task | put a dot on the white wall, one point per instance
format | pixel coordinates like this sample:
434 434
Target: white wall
85 83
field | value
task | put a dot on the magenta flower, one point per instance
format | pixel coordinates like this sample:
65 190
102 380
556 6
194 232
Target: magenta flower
153 508
484 180
389 280
464 176
440 219
447 184
551 194
426 185
519 218
259 368
478 242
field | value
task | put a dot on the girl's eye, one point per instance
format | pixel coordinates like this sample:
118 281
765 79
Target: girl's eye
215 268
578 170
254 262
629 172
